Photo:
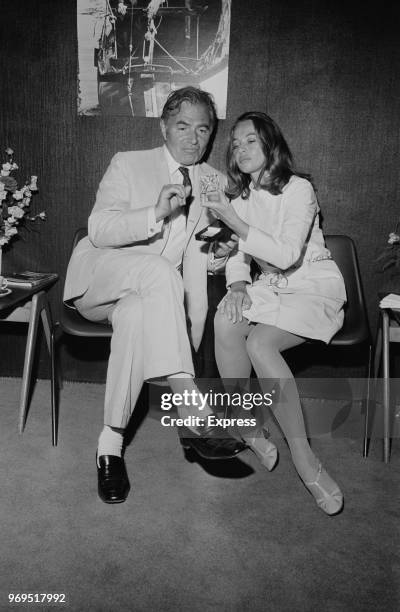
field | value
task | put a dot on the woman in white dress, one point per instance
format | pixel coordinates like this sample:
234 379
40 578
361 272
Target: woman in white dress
298 295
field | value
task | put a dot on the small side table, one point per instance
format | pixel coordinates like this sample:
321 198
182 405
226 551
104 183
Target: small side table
388 331
29 305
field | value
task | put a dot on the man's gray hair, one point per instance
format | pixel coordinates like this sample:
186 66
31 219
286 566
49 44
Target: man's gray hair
192 95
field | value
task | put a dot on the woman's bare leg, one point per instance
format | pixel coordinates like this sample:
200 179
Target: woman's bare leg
264 346
230 347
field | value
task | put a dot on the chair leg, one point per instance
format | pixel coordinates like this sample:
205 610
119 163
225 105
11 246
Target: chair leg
58 375
54 403
378 350
373 372
386 386
49 333
28 362
367 408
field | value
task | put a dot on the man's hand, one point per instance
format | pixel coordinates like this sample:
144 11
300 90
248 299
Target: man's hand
235 301
170 198
223 249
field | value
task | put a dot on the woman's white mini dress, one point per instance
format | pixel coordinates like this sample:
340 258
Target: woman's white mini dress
300 288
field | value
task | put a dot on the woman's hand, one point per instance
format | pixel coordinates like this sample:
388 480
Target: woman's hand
235 301
223 249
222 209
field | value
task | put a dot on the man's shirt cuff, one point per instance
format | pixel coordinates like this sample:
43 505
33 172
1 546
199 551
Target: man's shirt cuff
153 226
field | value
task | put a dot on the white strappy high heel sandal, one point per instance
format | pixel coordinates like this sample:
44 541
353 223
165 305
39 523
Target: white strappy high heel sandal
265 451
330 502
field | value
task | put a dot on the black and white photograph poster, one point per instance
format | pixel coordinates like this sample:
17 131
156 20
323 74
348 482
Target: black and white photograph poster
133 53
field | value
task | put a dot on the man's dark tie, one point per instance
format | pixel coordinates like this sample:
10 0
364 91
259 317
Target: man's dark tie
186 183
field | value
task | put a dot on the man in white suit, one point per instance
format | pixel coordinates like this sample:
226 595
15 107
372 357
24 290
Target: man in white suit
138 266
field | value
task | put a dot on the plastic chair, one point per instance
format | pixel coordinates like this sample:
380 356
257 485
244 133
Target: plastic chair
355 330
71 322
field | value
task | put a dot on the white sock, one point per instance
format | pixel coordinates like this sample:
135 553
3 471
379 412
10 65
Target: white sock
110 441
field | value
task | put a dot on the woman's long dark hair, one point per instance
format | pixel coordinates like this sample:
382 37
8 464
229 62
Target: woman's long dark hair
278 159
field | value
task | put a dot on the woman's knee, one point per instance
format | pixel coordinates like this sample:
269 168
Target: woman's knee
225 330
259 345
222 325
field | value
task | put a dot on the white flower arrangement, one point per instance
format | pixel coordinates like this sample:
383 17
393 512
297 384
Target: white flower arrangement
14 201
390 256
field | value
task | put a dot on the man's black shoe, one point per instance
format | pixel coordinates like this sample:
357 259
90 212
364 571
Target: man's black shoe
211 443
113 483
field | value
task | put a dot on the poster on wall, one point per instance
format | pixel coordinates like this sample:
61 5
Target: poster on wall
133 53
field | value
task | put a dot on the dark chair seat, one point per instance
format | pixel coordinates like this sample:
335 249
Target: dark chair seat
73 323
